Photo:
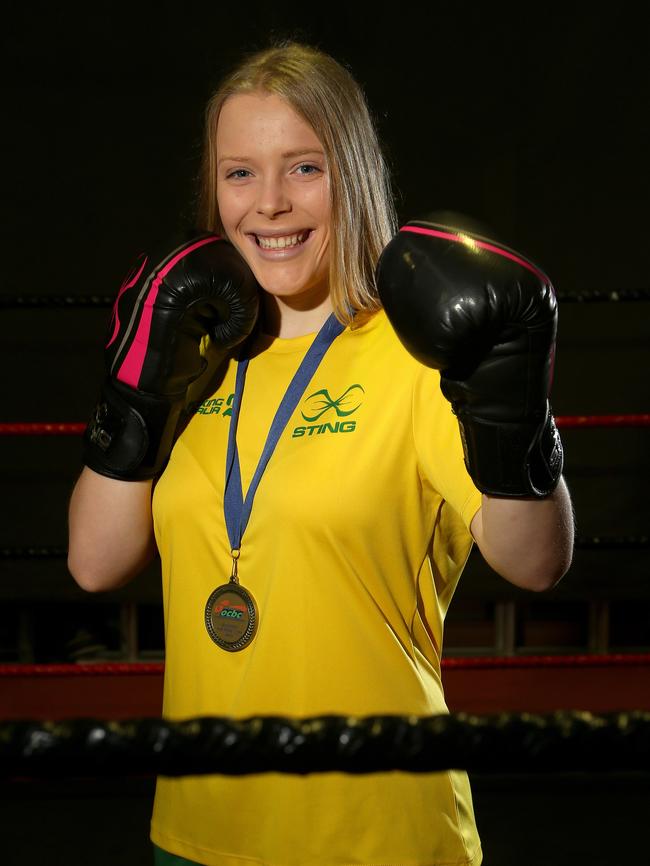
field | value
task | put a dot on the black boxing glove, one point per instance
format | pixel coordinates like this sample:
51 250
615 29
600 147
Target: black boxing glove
164 307
486 317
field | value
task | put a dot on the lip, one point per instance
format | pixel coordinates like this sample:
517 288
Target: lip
280 233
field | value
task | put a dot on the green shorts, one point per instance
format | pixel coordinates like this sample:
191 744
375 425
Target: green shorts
164 858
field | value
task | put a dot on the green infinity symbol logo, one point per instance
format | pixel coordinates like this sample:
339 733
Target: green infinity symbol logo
320 402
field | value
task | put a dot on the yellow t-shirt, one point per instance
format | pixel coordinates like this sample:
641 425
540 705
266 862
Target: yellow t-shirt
356 540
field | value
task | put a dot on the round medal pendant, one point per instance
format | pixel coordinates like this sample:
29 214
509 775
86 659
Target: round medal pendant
231 617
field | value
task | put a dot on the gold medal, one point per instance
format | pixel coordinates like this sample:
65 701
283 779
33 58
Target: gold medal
231 614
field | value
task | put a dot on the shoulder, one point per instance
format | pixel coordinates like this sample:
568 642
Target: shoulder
378 337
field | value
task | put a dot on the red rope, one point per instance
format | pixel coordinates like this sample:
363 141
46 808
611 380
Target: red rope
40 429
456 663
37 428
641 420
81 669
548 661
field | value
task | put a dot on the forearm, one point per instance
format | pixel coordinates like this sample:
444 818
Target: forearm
529 542
110 531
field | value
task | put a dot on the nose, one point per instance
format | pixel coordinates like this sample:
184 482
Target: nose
273 199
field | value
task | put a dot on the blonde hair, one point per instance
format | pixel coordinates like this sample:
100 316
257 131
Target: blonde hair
326 95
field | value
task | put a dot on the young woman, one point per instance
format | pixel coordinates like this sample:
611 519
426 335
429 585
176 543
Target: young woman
316 511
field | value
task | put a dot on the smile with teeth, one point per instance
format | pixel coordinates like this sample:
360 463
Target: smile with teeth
281 243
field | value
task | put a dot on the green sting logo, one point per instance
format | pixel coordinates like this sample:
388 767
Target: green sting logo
318 404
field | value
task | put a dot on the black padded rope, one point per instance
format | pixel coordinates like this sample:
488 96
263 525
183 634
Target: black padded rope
561 741
49 302
33 552
44 302
597 542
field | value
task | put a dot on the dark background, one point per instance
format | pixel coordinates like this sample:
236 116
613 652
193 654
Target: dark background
535 121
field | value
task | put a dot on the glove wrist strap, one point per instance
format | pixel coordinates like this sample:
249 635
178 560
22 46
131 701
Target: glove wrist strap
130 434
513 459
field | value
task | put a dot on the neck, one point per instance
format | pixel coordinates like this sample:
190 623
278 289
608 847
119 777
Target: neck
284 321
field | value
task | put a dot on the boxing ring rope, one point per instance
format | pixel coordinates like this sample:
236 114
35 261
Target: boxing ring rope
38 428
107 669
510 743
35 302
582 542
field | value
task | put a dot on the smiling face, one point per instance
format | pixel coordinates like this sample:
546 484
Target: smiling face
273 193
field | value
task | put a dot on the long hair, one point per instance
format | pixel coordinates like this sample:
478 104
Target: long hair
325 94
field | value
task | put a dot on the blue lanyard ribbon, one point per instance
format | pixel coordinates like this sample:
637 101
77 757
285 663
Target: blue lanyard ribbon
237 510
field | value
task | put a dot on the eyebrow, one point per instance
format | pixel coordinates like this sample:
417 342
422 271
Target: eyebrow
289 154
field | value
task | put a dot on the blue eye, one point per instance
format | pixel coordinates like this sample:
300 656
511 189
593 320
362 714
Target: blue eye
238 173
306 168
